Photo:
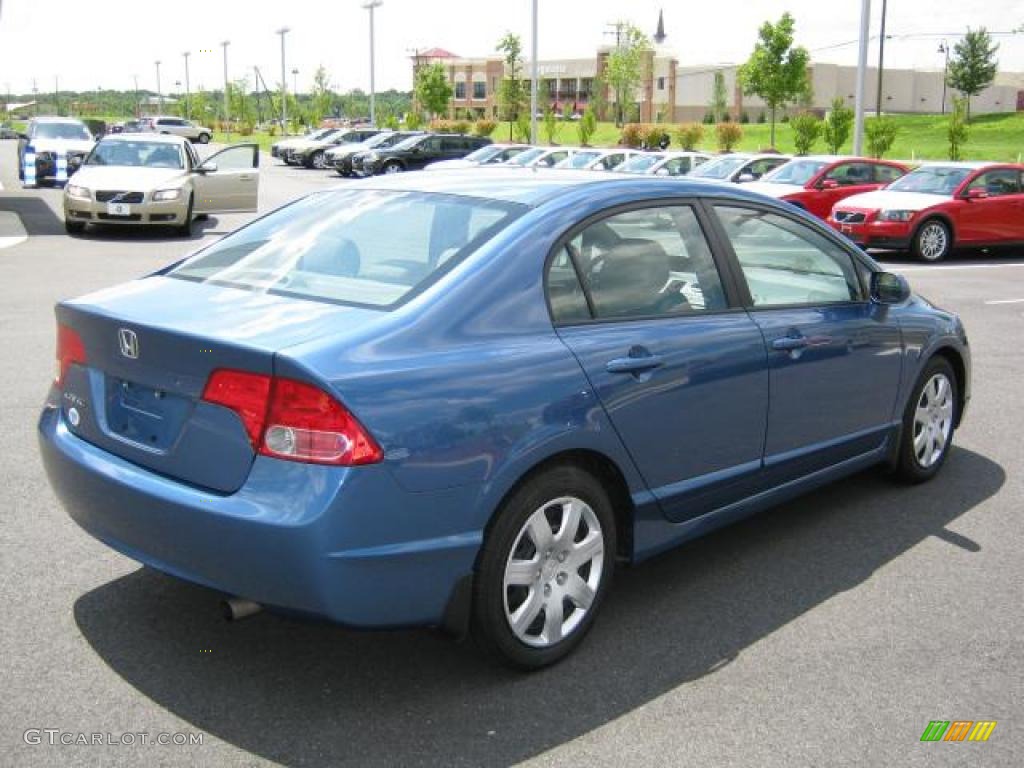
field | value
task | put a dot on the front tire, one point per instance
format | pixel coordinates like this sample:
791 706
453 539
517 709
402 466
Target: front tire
933 241
204 138
544 569
74 227
185 228
928 423
393 167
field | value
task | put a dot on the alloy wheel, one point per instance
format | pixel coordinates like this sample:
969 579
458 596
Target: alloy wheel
553 571
933 241
933 420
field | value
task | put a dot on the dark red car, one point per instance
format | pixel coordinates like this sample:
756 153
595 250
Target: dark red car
938 207
818 182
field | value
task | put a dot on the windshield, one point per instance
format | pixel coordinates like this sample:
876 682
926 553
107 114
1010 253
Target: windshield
142 154
580 160
526 156
640 163
368 247
719 168
933 180
409 142
321 133
73 131
797 172
383 140
484 154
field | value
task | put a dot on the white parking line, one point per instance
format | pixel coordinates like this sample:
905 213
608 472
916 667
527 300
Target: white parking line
1006 301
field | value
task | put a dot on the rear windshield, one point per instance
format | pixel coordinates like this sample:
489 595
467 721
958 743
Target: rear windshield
75 131
366 247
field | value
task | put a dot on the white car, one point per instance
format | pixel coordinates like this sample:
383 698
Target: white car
598 159
147 178
51 137
739 167
280 148
541 157
664 163
492 154
179 126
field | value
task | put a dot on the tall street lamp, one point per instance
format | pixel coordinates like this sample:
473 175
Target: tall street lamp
944 49
533 79
284 84
370 5
227 106
159 91
188 111
862 67
295 81
881 62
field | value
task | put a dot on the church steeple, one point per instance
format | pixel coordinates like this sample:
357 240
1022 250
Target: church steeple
659 36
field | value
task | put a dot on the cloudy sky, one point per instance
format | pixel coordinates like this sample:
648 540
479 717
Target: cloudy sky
103 44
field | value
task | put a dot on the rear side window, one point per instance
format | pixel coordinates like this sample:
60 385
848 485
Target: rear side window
787 263
887 173
648 262
1005 181
852 174
371 248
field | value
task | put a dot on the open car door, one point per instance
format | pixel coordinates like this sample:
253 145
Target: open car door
228 181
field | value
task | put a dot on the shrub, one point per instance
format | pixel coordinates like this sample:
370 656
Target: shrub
245 128
880 133
522 126
956 133
690 135
272 130
391 123
461 127
413 120
586 126
806 130
728 135
552 127
654 135
837 125
439 125
708 119
632 135
484 127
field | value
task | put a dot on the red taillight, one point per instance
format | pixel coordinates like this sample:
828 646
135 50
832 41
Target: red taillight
70 349
244 393
292 420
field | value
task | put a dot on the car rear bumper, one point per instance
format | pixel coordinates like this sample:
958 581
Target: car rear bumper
894 235
327 541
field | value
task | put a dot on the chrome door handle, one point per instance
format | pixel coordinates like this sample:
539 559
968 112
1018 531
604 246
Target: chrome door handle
789 343
633 364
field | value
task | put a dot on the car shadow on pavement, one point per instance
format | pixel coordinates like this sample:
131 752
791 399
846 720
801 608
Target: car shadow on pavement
37 217
303 693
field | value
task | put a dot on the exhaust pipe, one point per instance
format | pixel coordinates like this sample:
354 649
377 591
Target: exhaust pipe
238 608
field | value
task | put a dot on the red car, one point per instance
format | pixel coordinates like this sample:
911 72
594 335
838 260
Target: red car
938 207
817 182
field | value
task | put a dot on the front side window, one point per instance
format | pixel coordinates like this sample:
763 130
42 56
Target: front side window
998 183
787 263
650 262
371 248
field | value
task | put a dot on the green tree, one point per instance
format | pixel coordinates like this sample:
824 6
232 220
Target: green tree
973 66
837 126
433 91
776 71
880 133
806 130
957 131
625 68
511 91
719 106
587 125
322 96
597 98
551 125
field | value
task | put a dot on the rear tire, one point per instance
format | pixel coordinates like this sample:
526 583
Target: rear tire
204 138
185 228
933 241
928 423
393 167
544 569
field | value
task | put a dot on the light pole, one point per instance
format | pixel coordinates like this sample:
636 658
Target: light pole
136 79
881 62
532 82
295 81
944 49
177 90
227 106
284 84
862 66
188 90
370 5
159 91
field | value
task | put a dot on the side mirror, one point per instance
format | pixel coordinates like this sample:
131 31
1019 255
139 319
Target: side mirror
829 184
743 178
975 193
889 288
207 167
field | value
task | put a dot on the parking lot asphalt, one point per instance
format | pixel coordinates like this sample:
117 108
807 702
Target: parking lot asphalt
827 632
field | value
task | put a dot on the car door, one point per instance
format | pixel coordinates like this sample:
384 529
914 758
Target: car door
427 151
834 356
228 180
638 297
842 181
990 208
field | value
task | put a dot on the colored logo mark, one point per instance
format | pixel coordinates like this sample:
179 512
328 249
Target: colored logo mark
958 730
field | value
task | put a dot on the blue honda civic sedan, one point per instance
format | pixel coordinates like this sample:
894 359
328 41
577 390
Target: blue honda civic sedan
460 399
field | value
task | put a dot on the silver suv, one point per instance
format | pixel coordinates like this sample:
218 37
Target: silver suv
178 126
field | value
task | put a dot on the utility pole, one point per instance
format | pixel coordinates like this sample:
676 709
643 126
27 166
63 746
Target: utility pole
136 79
862 66
284 85
56 93
295 81
188 110
370 5
227 104
881 62
534 69
944 49
159 90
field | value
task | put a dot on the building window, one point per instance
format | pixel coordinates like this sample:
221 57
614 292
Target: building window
552 89
460 90
479 89
586 87
568 89
661 83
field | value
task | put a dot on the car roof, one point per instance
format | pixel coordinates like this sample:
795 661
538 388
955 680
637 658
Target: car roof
528 186
56 119
164 138
969 164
